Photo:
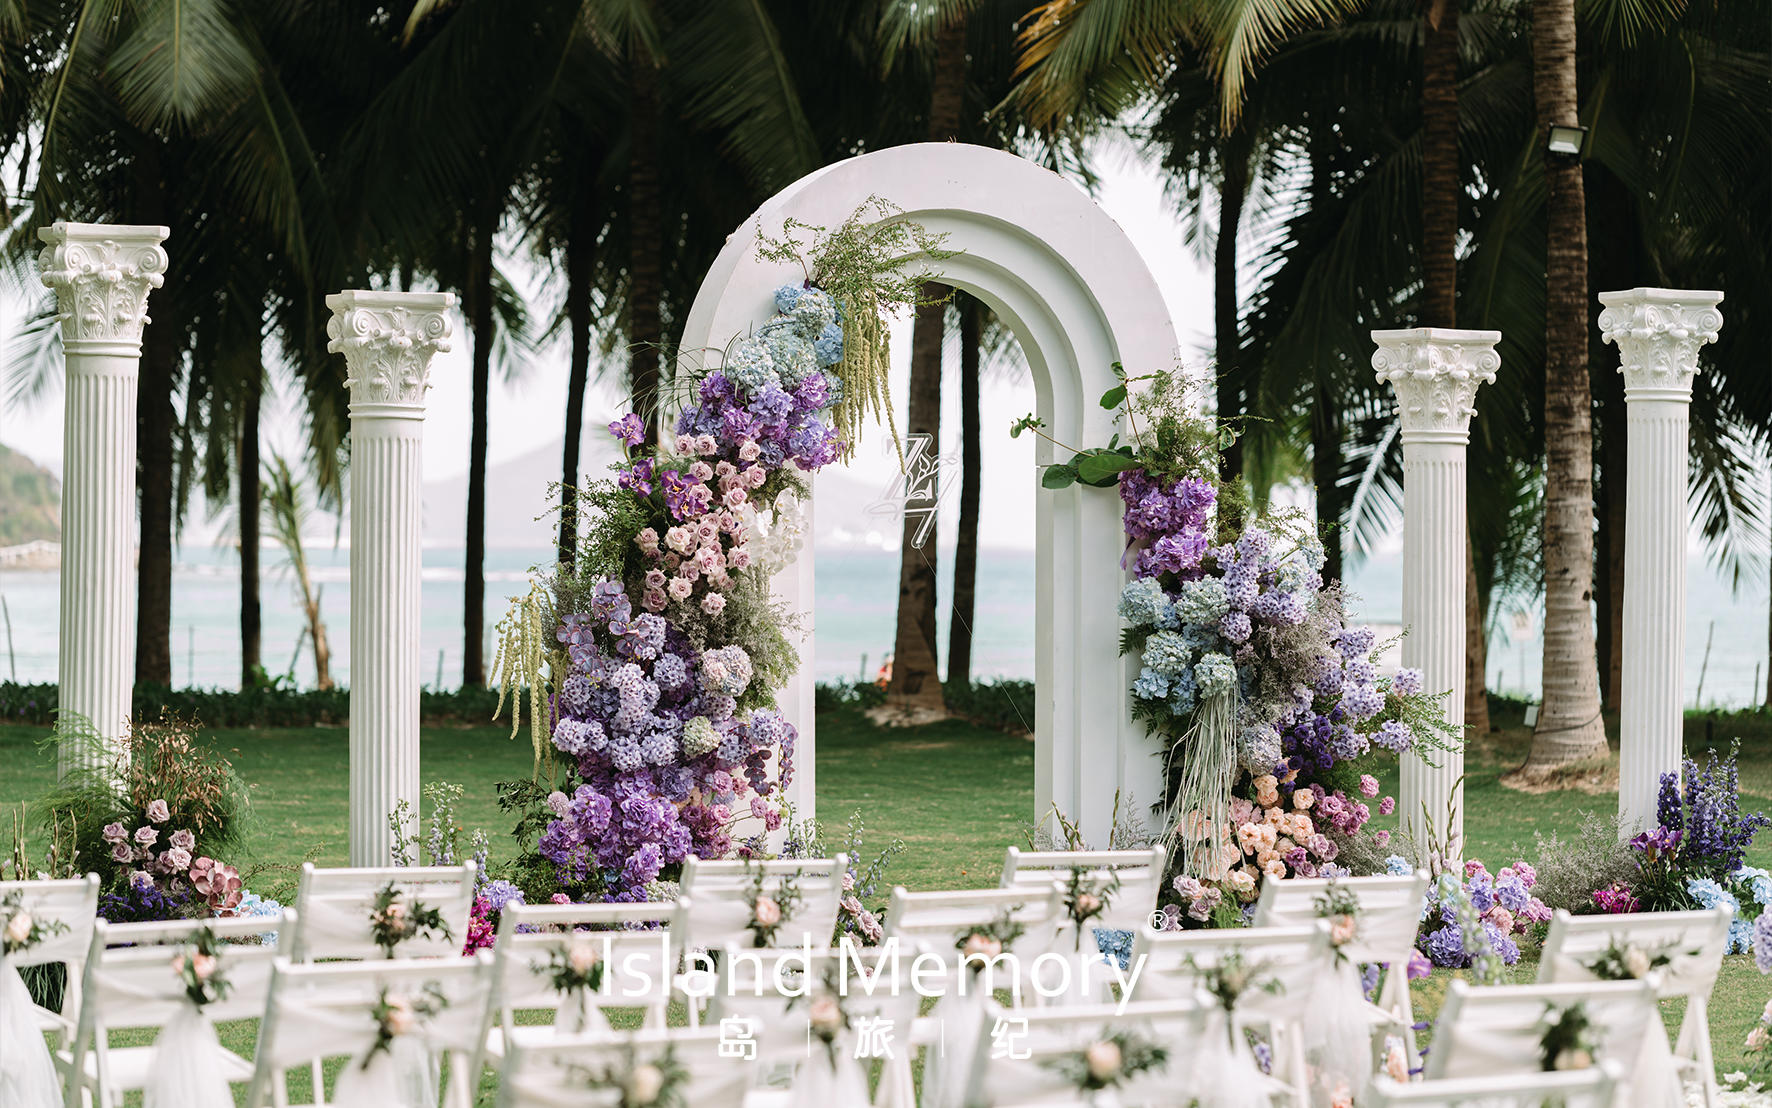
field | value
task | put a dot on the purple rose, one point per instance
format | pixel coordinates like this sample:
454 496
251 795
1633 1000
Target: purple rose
176 860
114 833
146 836
158 812
184 840
121 853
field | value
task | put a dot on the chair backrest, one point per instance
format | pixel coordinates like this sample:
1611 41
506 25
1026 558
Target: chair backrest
73 903
1390 911
325 1010
1696 941
758 983
1140 873
638 959
557 1073
334 907
1041 1036
935 921
718 914
1497 1029
130 982
1589 1088
1289 955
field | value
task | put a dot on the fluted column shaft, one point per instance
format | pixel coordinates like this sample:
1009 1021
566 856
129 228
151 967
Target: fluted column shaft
388 340
1658 333
101 275
1435 373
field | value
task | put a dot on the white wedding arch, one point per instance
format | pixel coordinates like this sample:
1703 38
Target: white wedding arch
1072 287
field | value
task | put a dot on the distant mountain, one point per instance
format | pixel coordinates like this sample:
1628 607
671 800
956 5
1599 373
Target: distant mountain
30 501
517 492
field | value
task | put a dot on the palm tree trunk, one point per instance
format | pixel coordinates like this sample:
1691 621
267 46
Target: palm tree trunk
579 249
153 479
473 669
1476 645
971 478
645 241
1326 470
916 676
251 633
1569 726
1232 192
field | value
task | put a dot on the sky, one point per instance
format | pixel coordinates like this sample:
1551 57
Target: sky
526 413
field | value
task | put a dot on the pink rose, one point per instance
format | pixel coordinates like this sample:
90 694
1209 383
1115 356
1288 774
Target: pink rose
738 557
705 444
685 446
654 600
158 812
1342 930
734 498
114 833
184 840
146 836
120 852
713 604
655 579
755 476
647 540
767 912
177 860
677 538
1387 805
701 471
980 945
1368 785
680 588
748 451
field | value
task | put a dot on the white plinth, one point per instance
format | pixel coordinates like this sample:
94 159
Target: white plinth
1435 373
101 275
388 340
1658 333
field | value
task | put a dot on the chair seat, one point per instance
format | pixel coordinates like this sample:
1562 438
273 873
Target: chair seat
130 1066
528 1035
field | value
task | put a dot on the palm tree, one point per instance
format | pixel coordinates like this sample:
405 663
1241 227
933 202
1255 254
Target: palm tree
286 510
971 331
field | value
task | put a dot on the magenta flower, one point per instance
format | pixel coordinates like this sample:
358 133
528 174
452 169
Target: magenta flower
1368 785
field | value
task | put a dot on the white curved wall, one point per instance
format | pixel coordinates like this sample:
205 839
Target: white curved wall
1079 298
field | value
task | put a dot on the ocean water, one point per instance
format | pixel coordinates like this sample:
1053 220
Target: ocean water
857 596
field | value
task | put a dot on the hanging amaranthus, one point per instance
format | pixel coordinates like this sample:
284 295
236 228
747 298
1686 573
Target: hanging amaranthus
523 660
861 265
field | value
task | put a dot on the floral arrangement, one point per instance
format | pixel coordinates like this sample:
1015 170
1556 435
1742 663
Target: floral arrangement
979 944
397 1014
1339 905
1472 922
768 912
861 884
656 1084
393 919
652 663
1087 896
490 900
1109 1060
1228 978
1694 857
1569 1041
161 869
19 930
1265 699
577 966
1628 961
199 968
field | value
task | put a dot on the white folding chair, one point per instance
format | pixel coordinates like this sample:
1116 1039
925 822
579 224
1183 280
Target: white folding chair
130 984
638 963
1172 962
1696 941
718 914
1021 1073
74 904
1589 1088
334 905
559 1074
1486 1031
1390 915
319 1011
1140 873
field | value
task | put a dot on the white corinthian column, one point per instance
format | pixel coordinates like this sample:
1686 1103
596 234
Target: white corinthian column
1435 373
388 339
101 275
1658 332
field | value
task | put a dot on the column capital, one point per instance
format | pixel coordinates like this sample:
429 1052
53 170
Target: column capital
102 274
1435 372
388 340
1658 333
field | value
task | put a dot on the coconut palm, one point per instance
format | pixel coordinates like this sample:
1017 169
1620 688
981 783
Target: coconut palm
286 512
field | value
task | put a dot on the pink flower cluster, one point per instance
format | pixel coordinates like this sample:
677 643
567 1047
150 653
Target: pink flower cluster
1500 899
1287 833
702 551
1616 899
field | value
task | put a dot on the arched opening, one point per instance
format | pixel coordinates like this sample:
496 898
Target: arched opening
1078 297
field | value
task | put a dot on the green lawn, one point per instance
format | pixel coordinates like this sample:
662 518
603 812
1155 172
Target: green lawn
955 795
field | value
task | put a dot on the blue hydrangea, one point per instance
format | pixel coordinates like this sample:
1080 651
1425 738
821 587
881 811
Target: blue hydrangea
1216 674
1167 653
1202 601
786 297
1741 936
1258 749
499 893
751 367
699 737
813 312
792 355
1762 942
1115 943
1512 893
1143 603
1184 693
1758 881
1710 894
828 349
1150 685
1398 866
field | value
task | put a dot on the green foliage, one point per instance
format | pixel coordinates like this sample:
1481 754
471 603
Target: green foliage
274 703
30 501
862 265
